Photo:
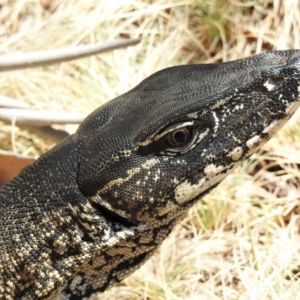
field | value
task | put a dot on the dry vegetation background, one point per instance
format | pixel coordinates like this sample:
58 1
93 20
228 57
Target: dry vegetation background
243 240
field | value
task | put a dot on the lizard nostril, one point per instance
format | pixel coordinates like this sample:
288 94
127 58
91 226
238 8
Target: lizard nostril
271 83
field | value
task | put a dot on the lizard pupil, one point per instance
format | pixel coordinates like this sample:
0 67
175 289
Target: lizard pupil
179 137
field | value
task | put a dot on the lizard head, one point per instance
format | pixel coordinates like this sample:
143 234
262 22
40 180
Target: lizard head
169 141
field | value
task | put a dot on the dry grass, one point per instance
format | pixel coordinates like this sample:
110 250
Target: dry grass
242 241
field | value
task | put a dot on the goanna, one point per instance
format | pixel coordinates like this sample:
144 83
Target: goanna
96 207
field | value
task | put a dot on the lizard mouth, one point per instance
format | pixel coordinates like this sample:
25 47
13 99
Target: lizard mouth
201 181
193 187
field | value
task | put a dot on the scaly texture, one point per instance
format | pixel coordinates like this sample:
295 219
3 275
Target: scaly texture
94 208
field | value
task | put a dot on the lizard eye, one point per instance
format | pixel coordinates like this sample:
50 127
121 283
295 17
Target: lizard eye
179 137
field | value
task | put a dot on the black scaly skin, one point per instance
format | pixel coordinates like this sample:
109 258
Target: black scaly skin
94 208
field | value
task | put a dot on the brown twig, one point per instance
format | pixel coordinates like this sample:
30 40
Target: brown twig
11 62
